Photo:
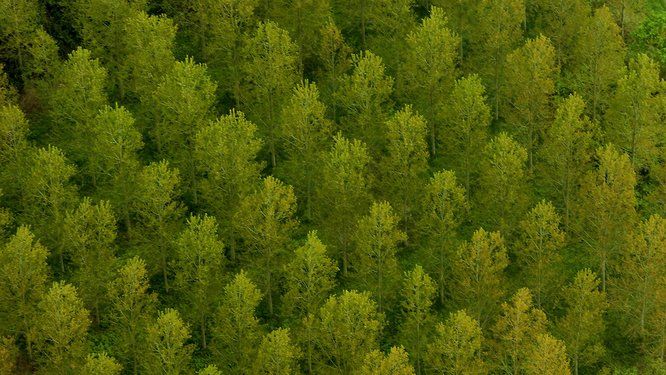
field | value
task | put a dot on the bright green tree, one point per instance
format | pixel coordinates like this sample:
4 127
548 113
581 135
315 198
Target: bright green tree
456 346
131 307
560 21
334 57
101 364
429 70
166 348
24 272
348 328
343 195
61 330
395 362
266 221
236 332
89 235
18 20
582 327
225 153
547 356
198 267
14 150
277 354
478 275
418 292
531 73
538 253
375 259
270 73
443 209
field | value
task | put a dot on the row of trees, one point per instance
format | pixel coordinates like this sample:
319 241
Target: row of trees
370 187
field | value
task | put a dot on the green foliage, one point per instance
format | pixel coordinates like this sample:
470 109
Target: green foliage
101 364
166 351
395 362
276 354
456 346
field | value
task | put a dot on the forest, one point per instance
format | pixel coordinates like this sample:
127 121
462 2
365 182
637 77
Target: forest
366 187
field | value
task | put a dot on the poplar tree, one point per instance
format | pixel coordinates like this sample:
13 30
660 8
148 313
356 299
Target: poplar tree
8 355
443 209
334 56
598 58
236 331
429 70
477 275
157 214
567 154
23 277
560 21
531 73
60 330
467 118
635 115
395 362
198 268
503 183
89 235
101 364
343 195
47 194
538 253
131 307
406 161
18 20
166 350
276 354
456 346
14 150
266 222
547 356
583 325
270 72
607 210
364 99
375 258
418 292
517 330
348 328
305 132
225 153
180 105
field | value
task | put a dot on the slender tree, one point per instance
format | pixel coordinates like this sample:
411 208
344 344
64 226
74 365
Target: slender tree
548 356
456 346
276 354
395 362
101 364
166 350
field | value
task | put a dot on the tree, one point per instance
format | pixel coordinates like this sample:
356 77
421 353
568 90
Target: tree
598 58
14 150
548 356
633 119
334 57
531 73
640 284
74 99
236 332
46 195
276 354
503 183
22 285
131 309
406 160
516 330
270 73
500 32
456 347
210 370
395 362
18 21
348 328
607 210
467 118
477 275
429 70
561 21
364 98
418 293
343 195
266 222
198 265
225 152
157 214
443 208
582 326
180 105
101 364
305 133
375 258
90 232
540 242
167 352
9 354
60 330
567 153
